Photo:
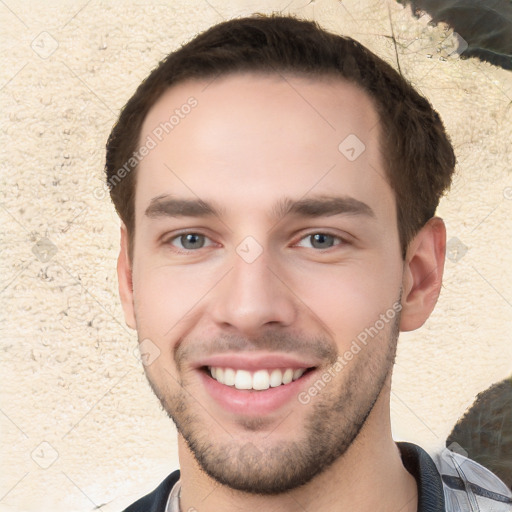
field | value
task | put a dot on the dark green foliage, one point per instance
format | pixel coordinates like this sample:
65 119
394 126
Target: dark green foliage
485 431
486 25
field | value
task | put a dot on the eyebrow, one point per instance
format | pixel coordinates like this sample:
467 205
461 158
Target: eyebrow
166 206
323 206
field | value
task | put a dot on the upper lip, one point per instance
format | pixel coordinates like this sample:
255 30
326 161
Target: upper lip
255 361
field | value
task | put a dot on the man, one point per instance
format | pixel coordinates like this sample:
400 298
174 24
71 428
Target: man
277 187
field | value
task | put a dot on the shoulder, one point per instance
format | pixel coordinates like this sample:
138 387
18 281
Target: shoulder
470 486
156 500
451 482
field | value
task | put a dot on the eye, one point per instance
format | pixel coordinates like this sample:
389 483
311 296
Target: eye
320 241
190 241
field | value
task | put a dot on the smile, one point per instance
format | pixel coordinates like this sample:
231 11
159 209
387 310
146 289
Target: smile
258 380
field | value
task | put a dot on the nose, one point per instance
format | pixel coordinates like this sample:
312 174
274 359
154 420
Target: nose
253 296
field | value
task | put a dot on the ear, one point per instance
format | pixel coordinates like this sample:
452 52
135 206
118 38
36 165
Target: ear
423 274
124 276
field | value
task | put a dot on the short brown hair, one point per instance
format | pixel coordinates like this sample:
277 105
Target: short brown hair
417 153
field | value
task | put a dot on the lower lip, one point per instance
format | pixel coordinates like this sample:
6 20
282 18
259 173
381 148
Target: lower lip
251 402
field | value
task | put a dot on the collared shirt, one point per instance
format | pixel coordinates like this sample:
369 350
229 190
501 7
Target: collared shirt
448 482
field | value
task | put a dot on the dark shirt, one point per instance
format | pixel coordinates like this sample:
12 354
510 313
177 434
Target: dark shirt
431 496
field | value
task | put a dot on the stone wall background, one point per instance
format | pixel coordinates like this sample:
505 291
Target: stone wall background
80 427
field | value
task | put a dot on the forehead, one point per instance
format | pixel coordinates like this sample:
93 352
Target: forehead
247 140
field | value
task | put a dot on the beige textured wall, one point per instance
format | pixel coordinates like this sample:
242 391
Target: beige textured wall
80 427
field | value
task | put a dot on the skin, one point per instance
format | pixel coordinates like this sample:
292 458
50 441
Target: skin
252 143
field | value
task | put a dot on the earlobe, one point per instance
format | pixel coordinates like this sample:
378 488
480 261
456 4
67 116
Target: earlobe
124 275
423 274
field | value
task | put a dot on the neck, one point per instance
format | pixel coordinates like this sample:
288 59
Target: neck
369 476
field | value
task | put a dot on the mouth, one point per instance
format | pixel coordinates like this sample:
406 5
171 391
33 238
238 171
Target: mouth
256 380
255 390
255 384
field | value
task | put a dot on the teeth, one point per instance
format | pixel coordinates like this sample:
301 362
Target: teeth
287 376
298 373
259 380
229 376
276 378
243 379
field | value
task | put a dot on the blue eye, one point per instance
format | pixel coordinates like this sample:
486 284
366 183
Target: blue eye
320 241
190 241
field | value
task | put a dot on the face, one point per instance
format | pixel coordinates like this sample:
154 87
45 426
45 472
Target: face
263 252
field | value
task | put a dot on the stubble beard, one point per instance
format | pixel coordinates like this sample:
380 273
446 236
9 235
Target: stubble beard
336 417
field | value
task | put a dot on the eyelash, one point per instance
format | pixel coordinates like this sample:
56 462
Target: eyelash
169 241
341 241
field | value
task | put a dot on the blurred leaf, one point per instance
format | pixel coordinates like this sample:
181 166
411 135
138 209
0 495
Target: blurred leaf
485 431
485 25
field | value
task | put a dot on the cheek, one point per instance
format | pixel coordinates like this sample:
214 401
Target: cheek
168 298
349 299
